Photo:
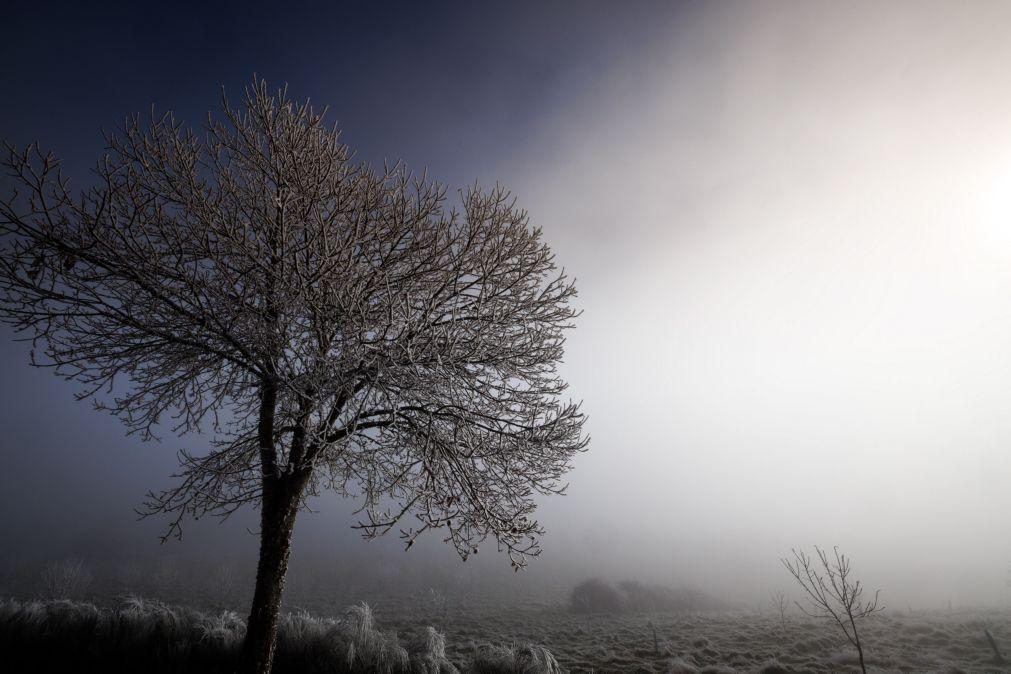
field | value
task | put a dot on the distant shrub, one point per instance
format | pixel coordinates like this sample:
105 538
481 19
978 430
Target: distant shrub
641 597
67 579
596 596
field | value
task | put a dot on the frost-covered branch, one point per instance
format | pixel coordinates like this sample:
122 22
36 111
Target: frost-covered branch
832 593
325 320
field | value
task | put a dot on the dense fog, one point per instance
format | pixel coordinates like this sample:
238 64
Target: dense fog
790 225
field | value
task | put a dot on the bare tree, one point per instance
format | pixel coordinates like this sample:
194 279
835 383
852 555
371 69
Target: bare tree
832 594
781 603
66 579
333 326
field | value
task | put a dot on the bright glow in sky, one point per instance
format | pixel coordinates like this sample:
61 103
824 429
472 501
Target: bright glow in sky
792 228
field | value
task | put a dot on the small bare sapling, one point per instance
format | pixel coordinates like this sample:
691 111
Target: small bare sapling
832 593
66 579
781 602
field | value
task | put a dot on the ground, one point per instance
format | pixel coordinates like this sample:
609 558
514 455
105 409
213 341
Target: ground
732 640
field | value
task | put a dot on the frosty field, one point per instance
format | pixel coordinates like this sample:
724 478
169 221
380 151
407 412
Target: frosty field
737 641
492 633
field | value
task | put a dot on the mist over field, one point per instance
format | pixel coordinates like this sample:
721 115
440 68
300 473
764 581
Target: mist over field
790 229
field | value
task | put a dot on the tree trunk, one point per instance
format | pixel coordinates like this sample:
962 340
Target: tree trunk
281 499
856 642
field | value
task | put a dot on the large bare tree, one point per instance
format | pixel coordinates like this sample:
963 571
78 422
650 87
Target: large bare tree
329 325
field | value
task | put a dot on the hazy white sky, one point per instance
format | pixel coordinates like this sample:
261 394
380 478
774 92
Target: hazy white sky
791 223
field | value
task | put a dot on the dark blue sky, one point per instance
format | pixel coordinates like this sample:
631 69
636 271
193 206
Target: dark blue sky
453 86
444 84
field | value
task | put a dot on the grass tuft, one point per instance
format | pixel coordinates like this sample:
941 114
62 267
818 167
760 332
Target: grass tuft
150 636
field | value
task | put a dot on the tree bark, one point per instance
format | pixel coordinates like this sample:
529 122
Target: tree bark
281 499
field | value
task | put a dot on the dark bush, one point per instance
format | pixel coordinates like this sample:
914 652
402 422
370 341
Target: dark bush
640 597
596 596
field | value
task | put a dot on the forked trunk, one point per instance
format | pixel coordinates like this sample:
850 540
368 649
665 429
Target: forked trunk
281 498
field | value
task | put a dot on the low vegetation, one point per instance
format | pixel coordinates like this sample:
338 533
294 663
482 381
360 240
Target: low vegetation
433 628
66 579
492 659
597 596
149 636
833 594
489 633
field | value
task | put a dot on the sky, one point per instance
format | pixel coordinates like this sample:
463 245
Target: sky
790 225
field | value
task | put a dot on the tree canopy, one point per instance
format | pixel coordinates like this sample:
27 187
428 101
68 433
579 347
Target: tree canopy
317 316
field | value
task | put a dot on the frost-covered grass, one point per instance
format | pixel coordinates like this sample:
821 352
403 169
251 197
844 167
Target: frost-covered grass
149 636
524 659
716 642
482 632
64 635
749 643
